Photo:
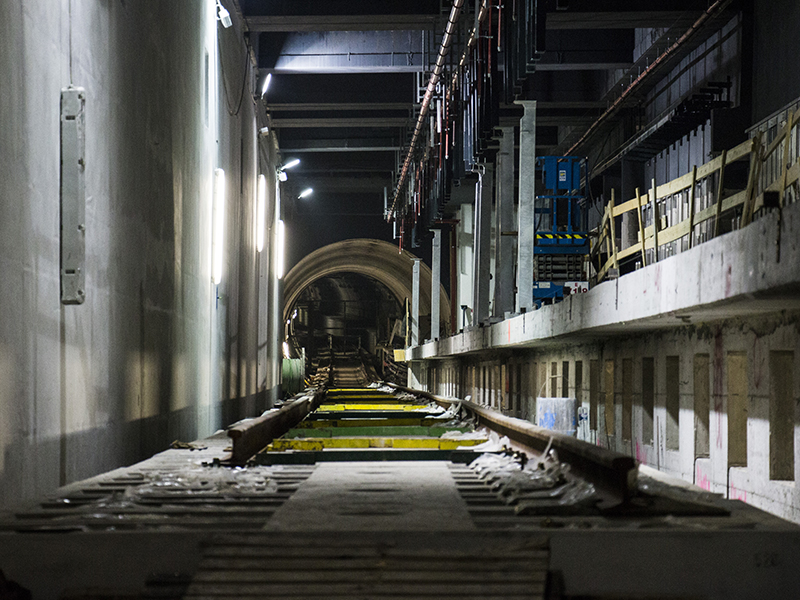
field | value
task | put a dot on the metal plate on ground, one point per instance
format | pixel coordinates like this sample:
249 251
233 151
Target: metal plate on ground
365 454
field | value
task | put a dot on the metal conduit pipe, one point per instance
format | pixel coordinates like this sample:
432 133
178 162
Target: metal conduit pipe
473 38
712 10
444 49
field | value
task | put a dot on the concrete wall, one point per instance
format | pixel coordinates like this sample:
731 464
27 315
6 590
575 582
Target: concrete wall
689 429
711 336
155 353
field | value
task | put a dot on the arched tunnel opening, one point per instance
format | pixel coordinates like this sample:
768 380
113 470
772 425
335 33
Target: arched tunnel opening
348 317
348 307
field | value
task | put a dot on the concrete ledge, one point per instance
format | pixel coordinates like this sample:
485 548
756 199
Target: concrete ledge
738 274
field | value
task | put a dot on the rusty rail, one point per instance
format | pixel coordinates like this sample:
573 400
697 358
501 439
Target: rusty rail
251 435
609 471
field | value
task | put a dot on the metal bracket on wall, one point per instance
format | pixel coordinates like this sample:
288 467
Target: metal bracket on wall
73 196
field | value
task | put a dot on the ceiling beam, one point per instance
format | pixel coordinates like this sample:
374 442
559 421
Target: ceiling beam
340 145
371 183
551 120
619 20
567 105
321 68
377 122
295 150
304 23
592 66
334 106
343 51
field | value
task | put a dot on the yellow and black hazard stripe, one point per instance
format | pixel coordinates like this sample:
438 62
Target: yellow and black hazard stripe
560 236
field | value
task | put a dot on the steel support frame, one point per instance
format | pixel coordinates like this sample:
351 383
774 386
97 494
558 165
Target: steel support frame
505 227
415 303
482 240
436 277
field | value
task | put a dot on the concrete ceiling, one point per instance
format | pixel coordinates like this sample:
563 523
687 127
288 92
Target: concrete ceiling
346 77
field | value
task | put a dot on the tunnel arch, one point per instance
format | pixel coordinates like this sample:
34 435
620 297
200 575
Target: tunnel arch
372 258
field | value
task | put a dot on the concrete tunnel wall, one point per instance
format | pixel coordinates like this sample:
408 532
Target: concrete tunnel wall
153 354
372 258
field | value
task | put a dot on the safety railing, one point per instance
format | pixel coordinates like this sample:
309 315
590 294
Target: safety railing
695 207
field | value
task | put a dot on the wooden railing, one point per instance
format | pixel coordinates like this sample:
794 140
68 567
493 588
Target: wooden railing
689 210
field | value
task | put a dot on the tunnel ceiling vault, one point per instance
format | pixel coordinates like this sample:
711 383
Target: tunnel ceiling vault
372 258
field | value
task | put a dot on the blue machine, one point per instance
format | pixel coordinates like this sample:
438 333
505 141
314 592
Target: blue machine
561 245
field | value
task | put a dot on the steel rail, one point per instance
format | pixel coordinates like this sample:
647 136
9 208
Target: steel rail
612 472
251 435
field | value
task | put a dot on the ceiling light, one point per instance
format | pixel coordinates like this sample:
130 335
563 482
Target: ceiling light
306 192
264 87
290 164
223 15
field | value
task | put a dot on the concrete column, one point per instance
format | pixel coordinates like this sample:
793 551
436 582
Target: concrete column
483 240
505 227
436 276
525 228
415 304
464 258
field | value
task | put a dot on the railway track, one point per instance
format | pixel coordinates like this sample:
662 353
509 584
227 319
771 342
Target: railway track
375 492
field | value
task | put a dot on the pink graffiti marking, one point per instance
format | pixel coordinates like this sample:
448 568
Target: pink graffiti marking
701 479
641 453
737 494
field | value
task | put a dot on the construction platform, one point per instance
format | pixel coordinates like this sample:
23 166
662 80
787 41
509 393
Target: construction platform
386 520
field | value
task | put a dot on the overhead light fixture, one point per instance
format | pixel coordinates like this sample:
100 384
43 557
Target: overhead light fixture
282 176
261 212
290 164
264 87
223 15
218 226
280 235
306 192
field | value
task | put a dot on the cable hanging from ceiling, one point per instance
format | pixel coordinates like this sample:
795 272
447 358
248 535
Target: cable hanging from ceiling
444 49
455 120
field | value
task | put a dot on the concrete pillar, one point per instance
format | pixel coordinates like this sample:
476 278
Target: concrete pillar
415 304
483 240
527 185
505 227
436 276
464 258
